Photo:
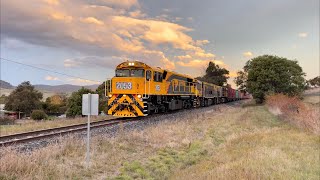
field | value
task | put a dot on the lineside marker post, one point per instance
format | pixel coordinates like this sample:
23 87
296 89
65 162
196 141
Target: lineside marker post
90 104
88 131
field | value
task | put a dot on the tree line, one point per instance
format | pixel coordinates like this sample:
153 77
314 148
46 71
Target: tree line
26 99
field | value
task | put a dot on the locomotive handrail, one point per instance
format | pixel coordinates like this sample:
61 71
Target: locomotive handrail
145 87
146 83
107 90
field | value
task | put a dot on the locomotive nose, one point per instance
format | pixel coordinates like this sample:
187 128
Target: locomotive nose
126 105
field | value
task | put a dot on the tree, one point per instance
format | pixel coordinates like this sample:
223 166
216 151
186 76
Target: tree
315 82
74 104
3 99
24 98
241 80
39 115
103 100
215 74
55 104
272 74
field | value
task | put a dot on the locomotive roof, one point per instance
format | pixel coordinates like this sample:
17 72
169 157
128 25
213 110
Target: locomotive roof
139 64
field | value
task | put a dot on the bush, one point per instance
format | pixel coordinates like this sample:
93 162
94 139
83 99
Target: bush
292 109
6 121
38 115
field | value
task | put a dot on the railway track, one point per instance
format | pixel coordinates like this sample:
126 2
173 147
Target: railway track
59 131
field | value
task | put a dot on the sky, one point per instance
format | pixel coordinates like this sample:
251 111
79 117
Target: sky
88 38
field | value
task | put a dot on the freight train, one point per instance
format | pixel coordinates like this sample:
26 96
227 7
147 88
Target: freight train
138 89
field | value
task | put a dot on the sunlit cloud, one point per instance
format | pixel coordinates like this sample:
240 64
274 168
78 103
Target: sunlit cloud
232 74
202 42
51 78
52 2
120 3
61 16
101 30
185 57
200 53
303 34
198 63
79 81
137 14
92 20
247 54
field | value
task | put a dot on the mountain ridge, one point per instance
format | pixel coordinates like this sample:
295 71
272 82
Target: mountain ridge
63 88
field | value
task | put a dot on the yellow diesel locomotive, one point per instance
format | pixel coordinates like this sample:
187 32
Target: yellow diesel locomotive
139 90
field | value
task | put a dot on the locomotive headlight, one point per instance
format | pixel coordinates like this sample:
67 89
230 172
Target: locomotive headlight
110 95
139 95
131 64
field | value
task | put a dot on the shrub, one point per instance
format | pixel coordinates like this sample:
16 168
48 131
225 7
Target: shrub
6 121
293 110
38 115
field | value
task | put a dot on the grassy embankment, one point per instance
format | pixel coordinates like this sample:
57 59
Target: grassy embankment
232 142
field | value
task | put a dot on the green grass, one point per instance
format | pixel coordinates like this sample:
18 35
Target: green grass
163 163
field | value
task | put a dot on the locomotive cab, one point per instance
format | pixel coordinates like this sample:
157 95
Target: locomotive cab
128 88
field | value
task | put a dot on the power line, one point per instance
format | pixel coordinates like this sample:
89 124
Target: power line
48 70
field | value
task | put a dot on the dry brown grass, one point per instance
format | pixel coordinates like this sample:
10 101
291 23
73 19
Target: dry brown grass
229 143
295 111
32 125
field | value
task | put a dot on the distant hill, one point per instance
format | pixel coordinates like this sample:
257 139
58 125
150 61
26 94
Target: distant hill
6 85
65 88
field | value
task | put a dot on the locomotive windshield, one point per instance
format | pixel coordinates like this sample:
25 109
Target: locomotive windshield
129 73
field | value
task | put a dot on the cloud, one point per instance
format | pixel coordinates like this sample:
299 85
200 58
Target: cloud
196 67
303 34
137 14
100 30
78 81
117 3
166 10
51 78
61 16
198 63
92 62
200 53
247 54
185 57
202 42
92 20
52 2
70 63
232 74
190 18
177 19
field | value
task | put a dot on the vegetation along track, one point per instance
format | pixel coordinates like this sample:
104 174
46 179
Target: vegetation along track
46 133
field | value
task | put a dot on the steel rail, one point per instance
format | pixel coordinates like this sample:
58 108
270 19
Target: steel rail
46 133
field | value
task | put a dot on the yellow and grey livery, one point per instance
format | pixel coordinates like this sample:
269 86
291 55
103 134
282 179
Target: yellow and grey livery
139 90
